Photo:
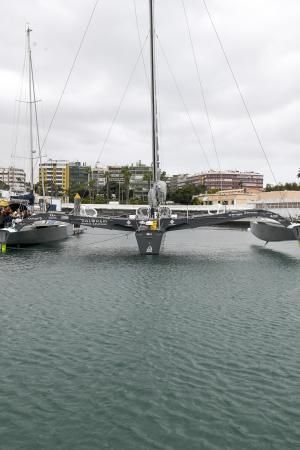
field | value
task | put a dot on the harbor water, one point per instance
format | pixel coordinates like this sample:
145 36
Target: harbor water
198 348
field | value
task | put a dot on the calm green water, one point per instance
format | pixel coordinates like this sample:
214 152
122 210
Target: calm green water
198 348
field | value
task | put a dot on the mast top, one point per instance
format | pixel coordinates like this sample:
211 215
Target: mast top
155 157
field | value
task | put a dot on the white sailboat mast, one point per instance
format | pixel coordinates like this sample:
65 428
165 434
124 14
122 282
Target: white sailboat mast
33 101
30 107
155 155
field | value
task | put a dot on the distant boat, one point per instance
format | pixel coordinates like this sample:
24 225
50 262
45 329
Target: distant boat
41 232
20 232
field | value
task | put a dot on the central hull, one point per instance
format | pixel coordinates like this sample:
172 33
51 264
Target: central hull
34 235
149 241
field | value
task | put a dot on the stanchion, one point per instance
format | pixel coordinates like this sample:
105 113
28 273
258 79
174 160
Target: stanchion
77 204
3 240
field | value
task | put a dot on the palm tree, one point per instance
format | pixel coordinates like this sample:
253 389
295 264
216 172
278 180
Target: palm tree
4 186
126 175
107 186
163 175
92 189
148 177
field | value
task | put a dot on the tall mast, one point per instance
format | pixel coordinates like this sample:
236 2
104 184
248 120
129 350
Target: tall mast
32 100
155 157
30 106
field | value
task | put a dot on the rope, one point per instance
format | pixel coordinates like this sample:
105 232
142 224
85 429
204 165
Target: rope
201 87
16 114
121 101
240 92
119 106
110 239
89 243
243 100
70 72
184 104
140 43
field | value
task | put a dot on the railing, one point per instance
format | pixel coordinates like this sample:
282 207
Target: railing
277 205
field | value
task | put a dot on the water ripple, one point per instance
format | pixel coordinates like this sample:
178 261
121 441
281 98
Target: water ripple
103 348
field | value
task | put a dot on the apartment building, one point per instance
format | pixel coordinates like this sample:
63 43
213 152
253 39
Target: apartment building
220 180
55 174
14 178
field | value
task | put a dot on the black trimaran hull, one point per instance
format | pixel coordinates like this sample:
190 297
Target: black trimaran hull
150 237
274 231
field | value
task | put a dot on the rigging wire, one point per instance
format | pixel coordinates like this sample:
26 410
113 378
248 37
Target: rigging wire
244 102
202 89
119 236
70 73
240 92
119 105
184 103
109 239
140 43
16 114
121 101
37 126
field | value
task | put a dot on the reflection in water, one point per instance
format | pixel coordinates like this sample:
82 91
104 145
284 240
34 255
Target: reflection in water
291 254
195 348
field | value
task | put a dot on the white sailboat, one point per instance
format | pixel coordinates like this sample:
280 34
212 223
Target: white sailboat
43 231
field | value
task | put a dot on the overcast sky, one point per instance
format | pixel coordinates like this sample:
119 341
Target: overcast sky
262 42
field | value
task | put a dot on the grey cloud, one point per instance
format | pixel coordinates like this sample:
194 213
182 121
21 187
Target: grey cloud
261 40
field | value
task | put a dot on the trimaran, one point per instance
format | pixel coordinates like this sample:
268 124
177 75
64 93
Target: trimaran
150 224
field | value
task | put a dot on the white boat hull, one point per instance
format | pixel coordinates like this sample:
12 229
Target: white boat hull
35 234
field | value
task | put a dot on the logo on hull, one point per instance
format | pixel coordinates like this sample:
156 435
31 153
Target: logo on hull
149 249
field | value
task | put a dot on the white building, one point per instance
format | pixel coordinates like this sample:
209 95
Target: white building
99 175
14 178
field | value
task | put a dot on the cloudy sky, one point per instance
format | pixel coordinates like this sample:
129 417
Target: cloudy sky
104 114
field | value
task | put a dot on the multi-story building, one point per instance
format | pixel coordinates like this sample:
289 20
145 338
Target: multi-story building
60 175
114 174
220 180
14 178
140 180
178 181
115 182
78 174
55 174
98 174
232 180
123 181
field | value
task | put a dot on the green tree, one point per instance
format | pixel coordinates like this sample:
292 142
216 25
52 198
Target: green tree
148 177
126 175
4 186
283 187
163 175
92 186
186 193
79 188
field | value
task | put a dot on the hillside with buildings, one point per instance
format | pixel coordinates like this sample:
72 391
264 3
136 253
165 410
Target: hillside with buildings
131 183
